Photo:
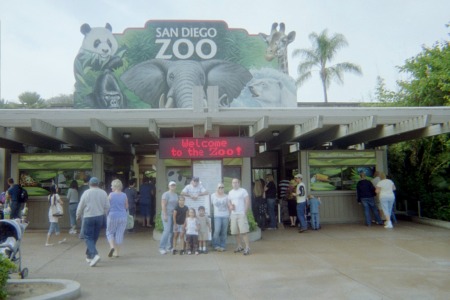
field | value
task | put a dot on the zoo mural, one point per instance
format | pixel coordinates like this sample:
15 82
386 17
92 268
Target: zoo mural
158 65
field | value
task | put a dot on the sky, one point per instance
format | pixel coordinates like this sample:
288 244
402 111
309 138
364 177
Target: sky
41 38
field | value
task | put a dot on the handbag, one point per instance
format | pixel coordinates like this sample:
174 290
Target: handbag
130 222
57 209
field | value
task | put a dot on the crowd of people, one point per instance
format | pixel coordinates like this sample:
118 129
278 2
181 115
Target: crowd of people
187 230
299 205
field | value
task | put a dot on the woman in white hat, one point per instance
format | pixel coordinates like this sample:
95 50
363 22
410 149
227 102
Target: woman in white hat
169 201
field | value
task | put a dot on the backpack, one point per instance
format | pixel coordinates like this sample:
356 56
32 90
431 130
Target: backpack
23 195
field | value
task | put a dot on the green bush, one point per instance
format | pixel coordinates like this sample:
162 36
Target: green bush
158 222
436 205
6 266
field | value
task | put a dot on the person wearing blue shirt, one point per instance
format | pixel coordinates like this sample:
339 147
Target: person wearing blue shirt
365 192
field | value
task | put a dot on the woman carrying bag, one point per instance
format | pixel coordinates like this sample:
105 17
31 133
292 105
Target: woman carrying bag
55 211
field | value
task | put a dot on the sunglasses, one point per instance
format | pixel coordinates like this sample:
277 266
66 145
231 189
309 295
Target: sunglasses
221 187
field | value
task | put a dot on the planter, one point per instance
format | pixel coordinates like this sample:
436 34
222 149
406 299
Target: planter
253 236
40 289
432 222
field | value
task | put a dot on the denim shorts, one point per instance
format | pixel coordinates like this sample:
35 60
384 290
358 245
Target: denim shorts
54 228
178 228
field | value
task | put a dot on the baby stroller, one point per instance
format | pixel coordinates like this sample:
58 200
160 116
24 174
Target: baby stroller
11 233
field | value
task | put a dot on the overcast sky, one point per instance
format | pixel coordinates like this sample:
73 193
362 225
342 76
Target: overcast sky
40 38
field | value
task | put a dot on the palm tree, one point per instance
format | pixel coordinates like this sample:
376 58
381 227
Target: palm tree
323 51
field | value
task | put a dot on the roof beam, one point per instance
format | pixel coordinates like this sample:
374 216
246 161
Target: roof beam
411 135
395 130
23 137
355 132
59 133
360 125
153 129
208 126
327 136
105 132
297 131
308 127
260 125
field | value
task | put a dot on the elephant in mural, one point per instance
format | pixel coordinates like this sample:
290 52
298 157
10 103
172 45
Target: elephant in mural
166 84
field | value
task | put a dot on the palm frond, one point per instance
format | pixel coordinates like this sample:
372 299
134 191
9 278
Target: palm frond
302 78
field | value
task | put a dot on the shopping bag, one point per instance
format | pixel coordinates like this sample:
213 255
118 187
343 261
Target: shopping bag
130 222
57 209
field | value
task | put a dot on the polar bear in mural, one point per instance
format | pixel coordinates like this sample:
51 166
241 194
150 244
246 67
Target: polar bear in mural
271 92
268 88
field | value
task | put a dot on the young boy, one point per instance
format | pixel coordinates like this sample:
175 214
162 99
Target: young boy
314 204
204 230
179 216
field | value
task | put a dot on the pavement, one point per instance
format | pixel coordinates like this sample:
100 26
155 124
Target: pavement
342 261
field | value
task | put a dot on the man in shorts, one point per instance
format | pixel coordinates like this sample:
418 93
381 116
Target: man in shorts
239 203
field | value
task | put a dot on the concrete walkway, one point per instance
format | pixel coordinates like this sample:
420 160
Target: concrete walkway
350 261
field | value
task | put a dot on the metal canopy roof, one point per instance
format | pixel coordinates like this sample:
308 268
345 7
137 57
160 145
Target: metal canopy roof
311 127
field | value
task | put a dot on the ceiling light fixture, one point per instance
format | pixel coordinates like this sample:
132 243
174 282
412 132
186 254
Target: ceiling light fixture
276 133
126 135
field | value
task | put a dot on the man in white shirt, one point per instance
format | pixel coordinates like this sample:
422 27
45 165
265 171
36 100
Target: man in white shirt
300 193
239 203
194 189
93 206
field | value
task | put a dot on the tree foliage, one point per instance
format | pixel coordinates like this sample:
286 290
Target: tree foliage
385 97
421 168
321 54
31 100
62 100
430 80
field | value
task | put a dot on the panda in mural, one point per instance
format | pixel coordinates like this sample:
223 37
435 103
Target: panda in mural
96 85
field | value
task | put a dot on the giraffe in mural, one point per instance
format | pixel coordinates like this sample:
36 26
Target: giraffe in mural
277 43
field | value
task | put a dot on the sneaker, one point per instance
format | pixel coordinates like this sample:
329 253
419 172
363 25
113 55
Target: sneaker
48 245
88 260
94 261
62 241
205 251
189 253
196 253
238 249
174 251
181 252
247 251
162 251
221 249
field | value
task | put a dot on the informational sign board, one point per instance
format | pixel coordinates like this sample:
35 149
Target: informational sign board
201 148
210 174
154 66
